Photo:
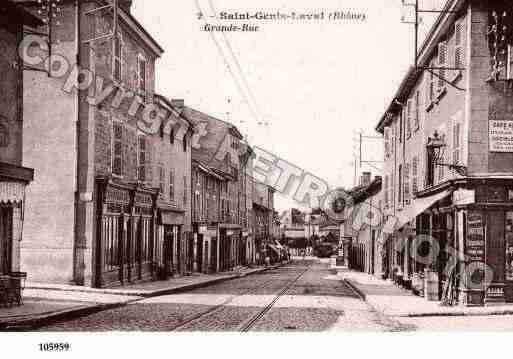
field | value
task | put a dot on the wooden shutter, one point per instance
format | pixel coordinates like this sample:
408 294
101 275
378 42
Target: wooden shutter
414 175
141 166
117 148
416 113
385 191
442 62
406 182
172 185
409 117
456 143
387 142
459 50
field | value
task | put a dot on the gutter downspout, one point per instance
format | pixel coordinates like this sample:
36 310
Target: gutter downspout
77 145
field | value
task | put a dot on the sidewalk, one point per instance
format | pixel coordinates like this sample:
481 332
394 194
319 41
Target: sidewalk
46 303
391 300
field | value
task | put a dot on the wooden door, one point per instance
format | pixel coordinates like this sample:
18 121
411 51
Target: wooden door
495 245
5 239
199 252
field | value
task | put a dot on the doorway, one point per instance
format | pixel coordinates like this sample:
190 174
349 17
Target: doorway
5 239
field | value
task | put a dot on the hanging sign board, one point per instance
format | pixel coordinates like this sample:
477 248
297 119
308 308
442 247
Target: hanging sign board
501 136
475 241
464 196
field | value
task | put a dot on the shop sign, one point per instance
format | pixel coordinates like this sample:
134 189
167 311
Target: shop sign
464 196
509 246
501 136
475 237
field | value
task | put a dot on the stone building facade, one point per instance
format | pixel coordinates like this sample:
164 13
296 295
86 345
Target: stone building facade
14 178
222 153
448 155
112 202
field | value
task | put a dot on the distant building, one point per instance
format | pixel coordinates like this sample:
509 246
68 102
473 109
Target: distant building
222 160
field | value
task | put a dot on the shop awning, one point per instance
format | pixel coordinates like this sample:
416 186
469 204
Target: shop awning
411 211
11 192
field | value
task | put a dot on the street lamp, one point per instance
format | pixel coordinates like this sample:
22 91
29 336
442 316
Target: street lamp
436 151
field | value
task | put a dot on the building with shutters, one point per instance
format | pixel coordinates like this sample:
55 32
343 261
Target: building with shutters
449 157
14 178
360 229
222 168
111 202
263 221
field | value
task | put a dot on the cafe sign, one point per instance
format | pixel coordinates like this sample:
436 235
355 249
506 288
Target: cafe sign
501 136
463 196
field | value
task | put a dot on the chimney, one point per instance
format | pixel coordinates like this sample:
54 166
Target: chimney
365 179
125 4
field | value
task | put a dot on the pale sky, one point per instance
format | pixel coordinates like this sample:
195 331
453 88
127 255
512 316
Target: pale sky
314 82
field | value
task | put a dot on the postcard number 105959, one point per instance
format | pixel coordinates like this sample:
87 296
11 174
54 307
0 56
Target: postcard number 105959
54 347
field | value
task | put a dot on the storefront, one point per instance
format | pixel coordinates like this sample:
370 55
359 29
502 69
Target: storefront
13 180
170 222
126 244
207 250
455 243
484 231
229 240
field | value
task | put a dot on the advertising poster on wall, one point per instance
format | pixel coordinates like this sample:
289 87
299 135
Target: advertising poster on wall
475 246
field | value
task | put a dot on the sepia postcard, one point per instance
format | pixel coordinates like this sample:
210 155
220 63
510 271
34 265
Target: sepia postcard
300 171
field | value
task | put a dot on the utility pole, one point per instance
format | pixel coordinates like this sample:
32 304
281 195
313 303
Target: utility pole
416 23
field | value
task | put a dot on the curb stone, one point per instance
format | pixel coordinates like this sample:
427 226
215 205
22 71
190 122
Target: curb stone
363 296
25 323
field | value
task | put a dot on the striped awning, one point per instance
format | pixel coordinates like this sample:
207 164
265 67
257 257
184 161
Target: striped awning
11 192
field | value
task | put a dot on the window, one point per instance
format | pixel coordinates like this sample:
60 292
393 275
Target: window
143 158
414 175
141 74
430 88
416 114
162 179
172 136
442 63
441 169
184 143
407 183
459 50
430 169
409 117
117 59
400 186
456 142
172 185
184 191
117 148
385 191
400 124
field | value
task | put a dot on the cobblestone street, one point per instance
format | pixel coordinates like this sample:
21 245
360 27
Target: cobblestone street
301 296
